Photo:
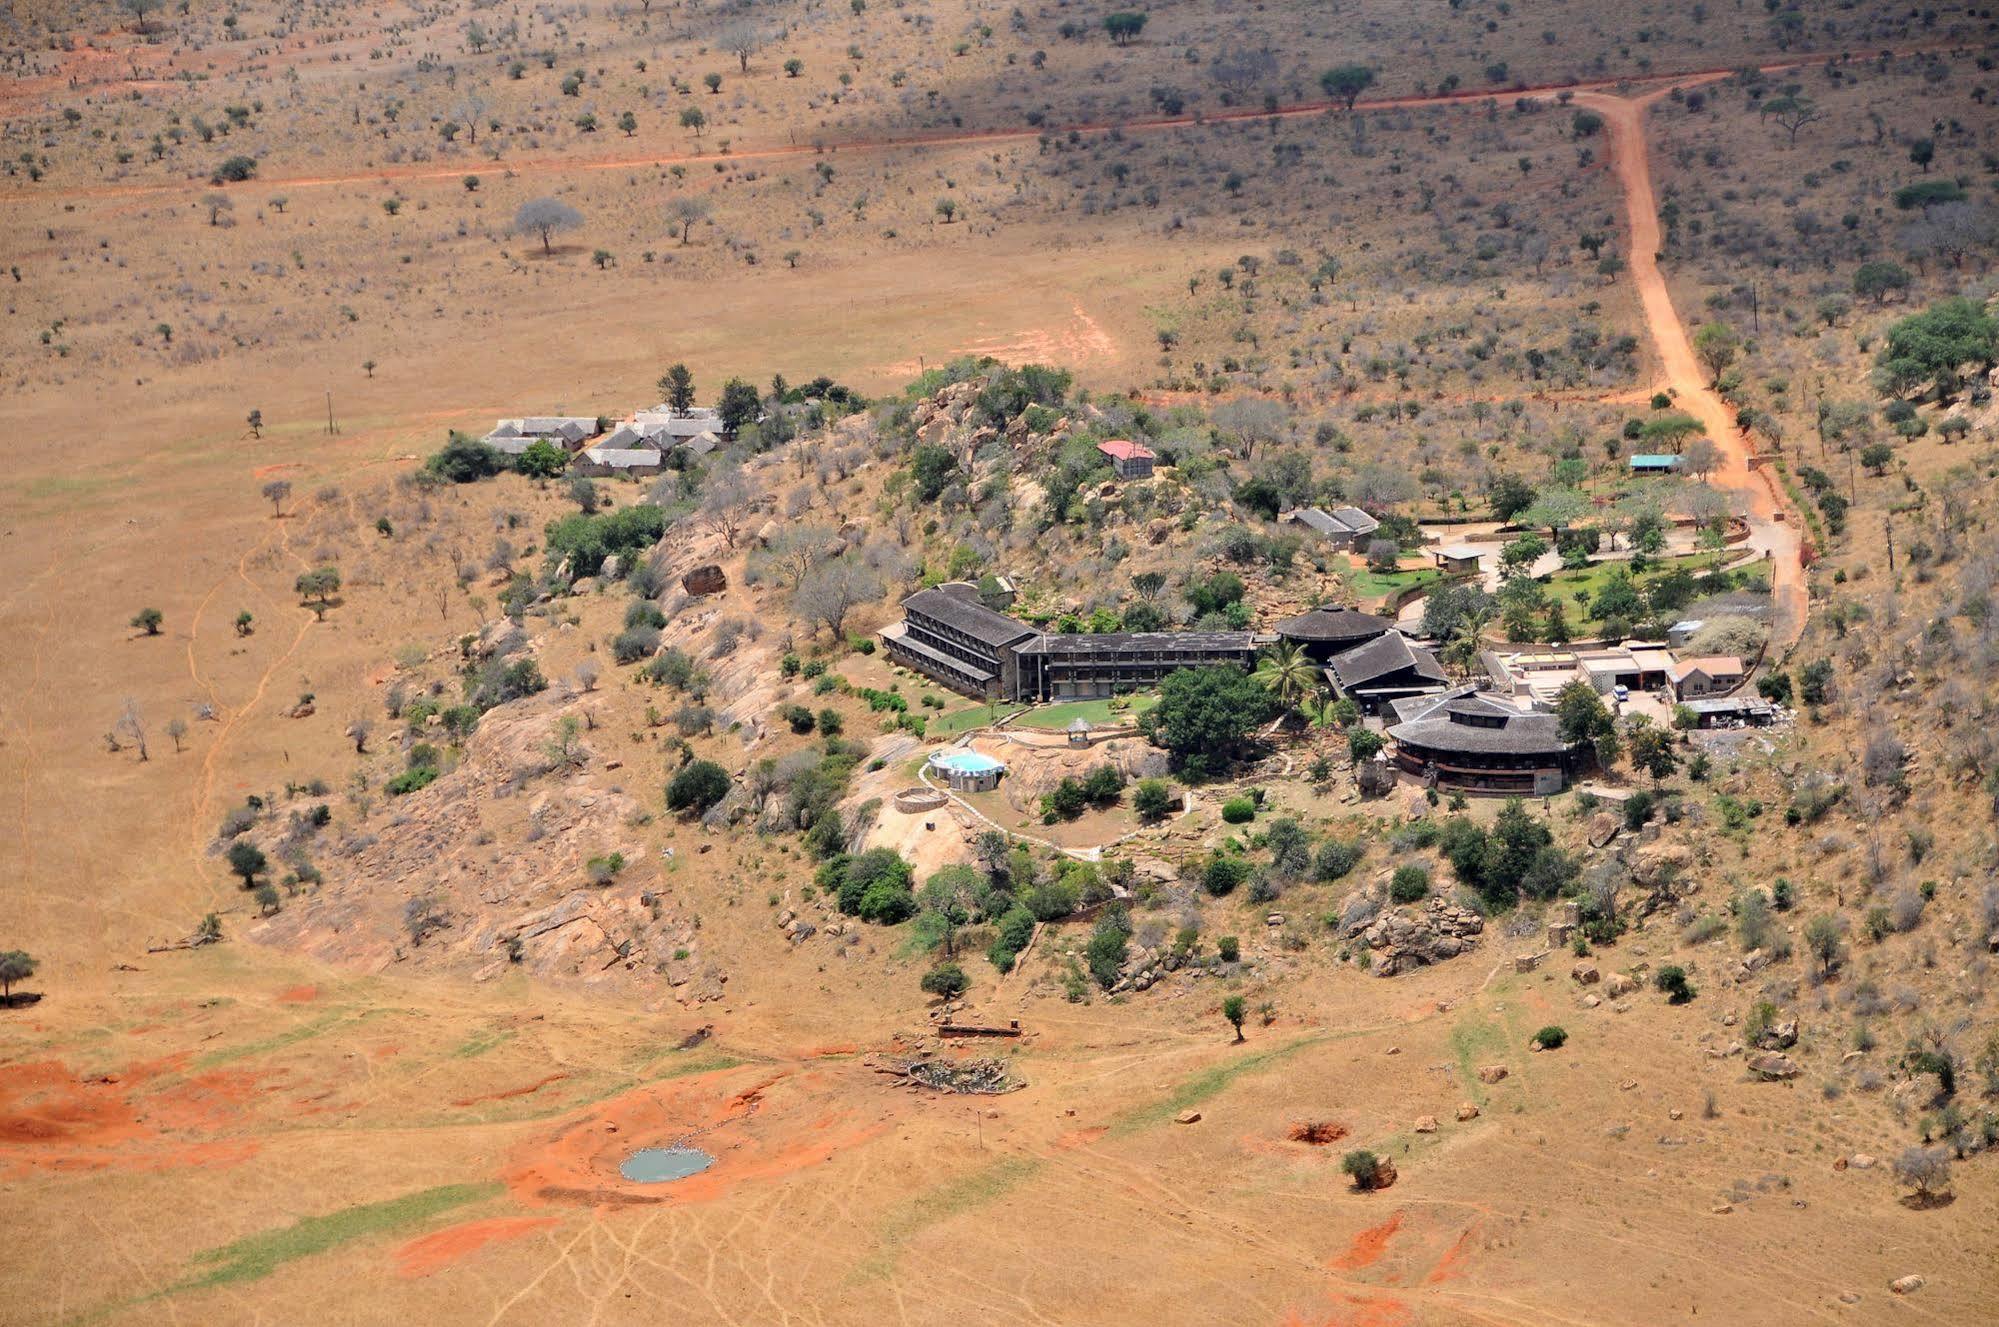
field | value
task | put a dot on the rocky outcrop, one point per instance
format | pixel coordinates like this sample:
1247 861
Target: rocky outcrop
1404 939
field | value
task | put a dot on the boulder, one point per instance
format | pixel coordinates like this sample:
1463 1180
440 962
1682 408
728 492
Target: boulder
1426 1124
1770 1066
1584 973
1619 985
1187 1117
1603 827
1907 1285
705 580
1467 1111
1780 1035
1528 962
1491 1073
613 569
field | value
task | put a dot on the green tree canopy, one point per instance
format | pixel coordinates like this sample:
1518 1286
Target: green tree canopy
1932 349
1205 715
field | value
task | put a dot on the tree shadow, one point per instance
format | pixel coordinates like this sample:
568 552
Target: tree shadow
20 1000
1924 1202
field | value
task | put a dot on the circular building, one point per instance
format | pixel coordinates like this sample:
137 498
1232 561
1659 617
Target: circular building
968 771
1325 632
1476 744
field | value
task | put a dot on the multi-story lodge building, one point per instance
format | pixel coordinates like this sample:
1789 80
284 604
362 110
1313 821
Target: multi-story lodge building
949 636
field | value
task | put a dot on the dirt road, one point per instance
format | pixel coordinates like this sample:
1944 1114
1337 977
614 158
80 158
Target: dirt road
1772 528
453 173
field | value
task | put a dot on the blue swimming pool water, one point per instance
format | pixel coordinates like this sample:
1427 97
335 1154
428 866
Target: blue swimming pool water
966 762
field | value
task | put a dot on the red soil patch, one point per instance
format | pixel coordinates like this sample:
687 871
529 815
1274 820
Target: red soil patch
438 1250
298 995
1081 1137
828 1052
766 1129
1453 1260
1368 1246
1319 1133
510 1093
51 1119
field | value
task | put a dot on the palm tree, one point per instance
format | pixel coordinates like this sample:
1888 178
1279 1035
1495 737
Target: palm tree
1287 673
1467 640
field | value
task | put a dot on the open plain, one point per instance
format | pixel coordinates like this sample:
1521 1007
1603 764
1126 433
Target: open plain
406 1083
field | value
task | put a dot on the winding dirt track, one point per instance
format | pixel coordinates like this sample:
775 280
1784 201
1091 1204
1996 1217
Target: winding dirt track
1663 82
1772 527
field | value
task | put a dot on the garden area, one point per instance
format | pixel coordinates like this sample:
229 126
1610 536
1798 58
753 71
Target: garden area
1115 712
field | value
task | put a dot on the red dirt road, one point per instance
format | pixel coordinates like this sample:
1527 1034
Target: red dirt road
1772 527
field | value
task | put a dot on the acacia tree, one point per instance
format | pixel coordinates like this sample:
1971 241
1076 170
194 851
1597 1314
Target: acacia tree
742 40
1124 26
832 591
686 212
1715 345
275 493
542 217
1346 83
319 586
15 966
1793 112
138 9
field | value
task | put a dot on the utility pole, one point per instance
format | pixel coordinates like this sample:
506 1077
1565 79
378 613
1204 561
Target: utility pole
330 427
1888 530
1755 311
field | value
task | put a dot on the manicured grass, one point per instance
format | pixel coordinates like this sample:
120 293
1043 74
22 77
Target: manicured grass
1097 712
1590 579
1378 584
972 716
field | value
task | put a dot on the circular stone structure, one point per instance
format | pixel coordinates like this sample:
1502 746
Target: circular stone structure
915 800
968 771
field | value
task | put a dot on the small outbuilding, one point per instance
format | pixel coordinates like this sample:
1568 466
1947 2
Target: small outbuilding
1456 559
1129 460
1654 463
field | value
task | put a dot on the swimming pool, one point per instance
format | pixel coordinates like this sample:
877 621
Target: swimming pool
963 760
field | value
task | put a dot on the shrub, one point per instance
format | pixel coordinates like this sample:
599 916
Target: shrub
1551 1037
410 780
699 785
1365 1167
1336 859
1012 932
1229 949
946 979
1223 874
1239 810
634 643
1410 883
1672 981
1152 800
1106 950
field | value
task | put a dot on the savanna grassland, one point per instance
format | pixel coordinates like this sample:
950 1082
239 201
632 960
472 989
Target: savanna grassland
264 259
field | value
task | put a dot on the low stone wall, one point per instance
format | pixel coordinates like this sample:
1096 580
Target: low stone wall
914 801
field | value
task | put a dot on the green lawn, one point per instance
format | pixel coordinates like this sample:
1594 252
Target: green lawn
972 716
1565 584
1097 712
1379 584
